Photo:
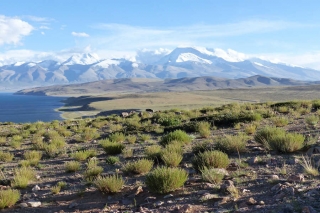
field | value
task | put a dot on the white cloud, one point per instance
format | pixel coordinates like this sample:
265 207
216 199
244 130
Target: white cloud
79 34
12 30
44 28
42 33
38 19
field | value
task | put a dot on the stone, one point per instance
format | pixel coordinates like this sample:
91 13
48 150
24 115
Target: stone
186 209
38 177
293 161
168 196
159 203
139 190
240 210
261 202
35 188
23 205
296 178
245 191
33 203
253 160
208 196
274 177
251 201
226 184
73 205
150 198
289 190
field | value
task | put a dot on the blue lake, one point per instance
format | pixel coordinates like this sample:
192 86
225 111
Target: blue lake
26 108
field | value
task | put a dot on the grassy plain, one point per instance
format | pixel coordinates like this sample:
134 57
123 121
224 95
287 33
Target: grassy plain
92 104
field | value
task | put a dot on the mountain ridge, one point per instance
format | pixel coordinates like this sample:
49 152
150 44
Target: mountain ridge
180 63
127 85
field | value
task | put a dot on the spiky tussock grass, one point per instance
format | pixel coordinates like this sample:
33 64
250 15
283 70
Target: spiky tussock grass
22 177
165 179
72 166
171 158
6 156
112 148
212 175
153 152
210 159
309 166
109 184
93 170
33 157
177 136
141 166
232 143
8 198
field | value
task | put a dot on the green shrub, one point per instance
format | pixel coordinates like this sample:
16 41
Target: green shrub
153 152
203 128
88 134
51 150
145 137
3 140
169 121
174 147
72 166
210 159
127 153
33 157
55 189
115 127
15 144
112 160
109 184
22 177
232 143
8 198
117 137
111 148
171 158
165 179
80 155
277 139
212 175
131 139
6 156
280 121
312 120
141 166
250 129
178 135
93 170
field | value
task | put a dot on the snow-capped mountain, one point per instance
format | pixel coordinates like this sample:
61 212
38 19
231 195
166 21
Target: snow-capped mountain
162 64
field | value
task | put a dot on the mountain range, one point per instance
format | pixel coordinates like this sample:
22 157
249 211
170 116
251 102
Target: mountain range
182 62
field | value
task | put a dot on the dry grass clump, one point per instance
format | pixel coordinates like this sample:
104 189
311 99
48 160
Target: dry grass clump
171 158
109 184
111 148
212 175
153 152
22 177
278 139
141 166
72 166
112 160
210 159
117 137
33 157
127 153
177 136
6 156
131 139
280 121
165 179
8 198
312 120
309 166
232 143
88 134
93 170
203 128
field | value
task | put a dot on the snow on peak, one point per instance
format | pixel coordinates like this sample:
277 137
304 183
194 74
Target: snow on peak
147 56
107 62
183 57
19 63
83 59
230 55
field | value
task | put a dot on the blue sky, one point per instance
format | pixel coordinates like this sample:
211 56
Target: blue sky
286 30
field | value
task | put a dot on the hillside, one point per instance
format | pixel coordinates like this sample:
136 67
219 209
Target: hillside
156 85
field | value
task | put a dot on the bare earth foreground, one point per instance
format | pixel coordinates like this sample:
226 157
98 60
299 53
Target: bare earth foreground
248 157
